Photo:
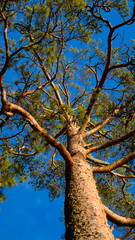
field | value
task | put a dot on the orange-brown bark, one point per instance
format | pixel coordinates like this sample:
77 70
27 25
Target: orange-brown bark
10 108
119 220
84 213
111 143
114 165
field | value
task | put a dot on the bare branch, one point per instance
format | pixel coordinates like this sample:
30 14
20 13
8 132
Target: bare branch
25 154
9 137
65 89
122 65
117 219
96 160
121 175
4 121
111 143
98 127
99 16
127 22
99 162
50 81
114 165
57 94
6 38
2 88
108 119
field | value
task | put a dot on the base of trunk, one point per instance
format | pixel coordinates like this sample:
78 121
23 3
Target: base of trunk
84 214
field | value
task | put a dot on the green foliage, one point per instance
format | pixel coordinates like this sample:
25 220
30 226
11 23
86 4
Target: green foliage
81 113
76 4
49 175
68 109
110 190
58 61
11 173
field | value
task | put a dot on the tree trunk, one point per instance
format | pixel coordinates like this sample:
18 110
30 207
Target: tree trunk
84 214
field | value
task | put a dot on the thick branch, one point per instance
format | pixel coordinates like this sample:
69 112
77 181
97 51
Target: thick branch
127 22
12 108
122 65
98 127
24 154
111 143
99 162
108 119
117 219
114 165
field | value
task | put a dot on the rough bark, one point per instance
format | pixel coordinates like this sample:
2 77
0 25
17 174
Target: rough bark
85 217
84 213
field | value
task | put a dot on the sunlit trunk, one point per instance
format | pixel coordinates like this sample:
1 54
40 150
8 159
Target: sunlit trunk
84 214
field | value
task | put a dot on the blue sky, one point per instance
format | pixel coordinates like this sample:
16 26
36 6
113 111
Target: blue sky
29 215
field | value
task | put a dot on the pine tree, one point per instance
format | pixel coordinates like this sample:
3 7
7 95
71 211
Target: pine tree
67 84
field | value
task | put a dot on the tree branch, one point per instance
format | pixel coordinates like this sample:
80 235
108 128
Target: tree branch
31 92
99 17
121 175
114 165
98 127
122 65
13 108
117 219
25 154
111 143
6 38
129 233
98 89
108 119
99 162
127 22
50 81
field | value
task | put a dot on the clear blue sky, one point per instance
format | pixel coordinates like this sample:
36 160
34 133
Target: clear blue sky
29 215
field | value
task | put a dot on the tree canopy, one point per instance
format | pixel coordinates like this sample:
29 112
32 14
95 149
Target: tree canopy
64 61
